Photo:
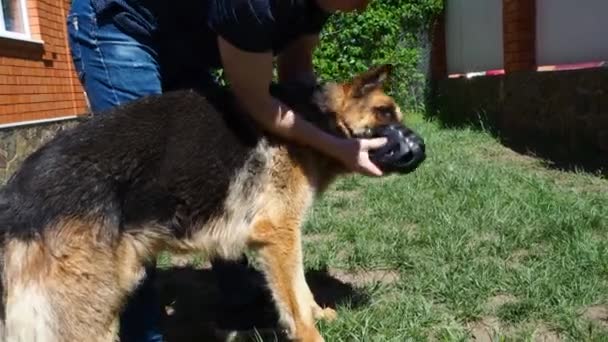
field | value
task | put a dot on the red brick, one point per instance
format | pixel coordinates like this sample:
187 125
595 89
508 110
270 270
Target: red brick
43 83
519 35
438 49
6 110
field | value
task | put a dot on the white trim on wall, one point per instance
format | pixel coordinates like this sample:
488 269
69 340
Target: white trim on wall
24 36
40 121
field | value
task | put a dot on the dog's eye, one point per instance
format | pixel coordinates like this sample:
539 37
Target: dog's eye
385 111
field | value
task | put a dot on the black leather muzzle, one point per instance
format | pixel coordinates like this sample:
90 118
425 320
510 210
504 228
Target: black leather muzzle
403 152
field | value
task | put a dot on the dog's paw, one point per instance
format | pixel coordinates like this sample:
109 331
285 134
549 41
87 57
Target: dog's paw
325 314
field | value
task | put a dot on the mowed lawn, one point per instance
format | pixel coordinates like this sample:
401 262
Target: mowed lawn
480 243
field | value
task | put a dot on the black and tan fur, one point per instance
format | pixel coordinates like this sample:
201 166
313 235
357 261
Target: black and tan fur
179 172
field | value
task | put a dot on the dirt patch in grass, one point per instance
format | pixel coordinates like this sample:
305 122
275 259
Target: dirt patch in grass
507 156
483 238
580 184
366 277
489 328
497 301
490 236
599 234
188 260
343 194
562 178
405 229
519 256
346 193
544 334
597 314
485 329
318 237
597 186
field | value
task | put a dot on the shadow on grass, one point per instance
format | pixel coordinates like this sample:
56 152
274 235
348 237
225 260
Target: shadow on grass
194 312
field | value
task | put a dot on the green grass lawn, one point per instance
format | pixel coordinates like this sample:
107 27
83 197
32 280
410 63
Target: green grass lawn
483 240
479 241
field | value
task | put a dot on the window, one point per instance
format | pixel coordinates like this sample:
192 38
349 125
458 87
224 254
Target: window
13 19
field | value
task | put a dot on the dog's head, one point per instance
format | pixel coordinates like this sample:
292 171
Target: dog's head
360 108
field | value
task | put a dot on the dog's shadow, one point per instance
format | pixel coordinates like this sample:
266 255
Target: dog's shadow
193 311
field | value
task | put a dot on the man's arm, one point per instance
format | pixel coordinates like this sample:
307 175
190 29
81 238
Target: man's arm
250 75
296 61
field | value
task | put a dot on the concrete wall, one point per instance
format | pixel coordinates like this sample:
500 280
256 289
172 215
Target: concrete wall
17 143
571 31
561 116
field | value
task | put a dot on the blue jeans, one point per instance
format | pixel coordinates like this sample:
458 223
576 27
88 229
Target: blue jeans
115 66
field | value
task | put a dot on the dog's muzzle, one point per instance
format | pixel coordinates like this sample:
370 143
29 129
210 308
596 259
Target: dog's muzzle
403 152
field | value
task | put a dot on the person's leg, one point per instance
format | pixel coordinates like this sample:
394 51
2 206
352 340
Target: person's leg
115 68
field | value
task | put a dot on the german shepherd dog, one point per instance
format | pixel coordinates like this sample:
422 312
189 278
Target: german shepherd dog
181 172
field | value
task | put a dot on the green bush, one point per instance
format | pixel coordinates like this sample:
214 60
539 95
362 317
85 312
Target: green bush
388 31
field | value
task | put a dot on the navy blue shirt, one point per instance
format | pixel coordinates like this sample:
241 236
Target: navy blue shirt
251 25
264 25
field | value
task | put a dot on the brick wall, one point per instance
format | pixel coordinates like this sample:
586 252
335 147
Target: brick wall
519 35
439 63
519 32
37 80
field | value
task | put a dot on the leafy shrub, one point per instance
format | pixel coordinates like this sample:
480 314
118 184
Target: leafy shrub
388 31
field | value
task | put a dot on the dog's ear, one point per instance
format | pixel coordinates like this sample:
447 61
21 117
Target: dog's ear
370 80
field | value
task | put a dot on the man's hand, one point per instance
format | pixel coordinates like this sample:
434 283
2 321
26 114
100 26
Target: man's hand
354 154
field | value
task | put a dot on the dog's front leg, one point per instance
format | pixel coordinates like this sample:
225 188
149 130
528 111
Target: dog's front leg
280 251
